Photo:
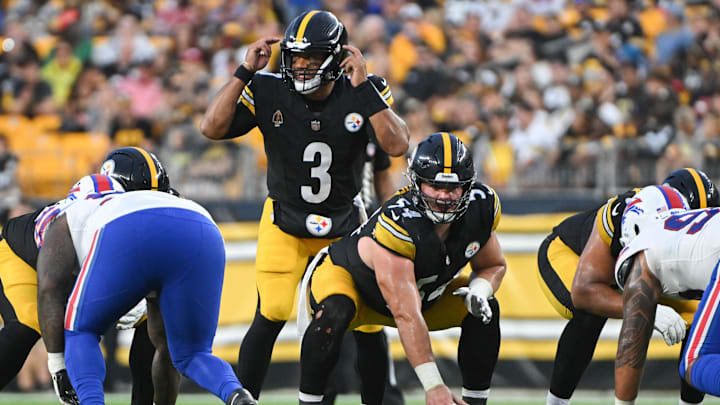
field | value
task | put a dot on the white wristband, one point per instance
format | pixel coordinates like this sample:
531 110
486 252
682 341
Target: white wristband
56 362
621 402
481 286
429 375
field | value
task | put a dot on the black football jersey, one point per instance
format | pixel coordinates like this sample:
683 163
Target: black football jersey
399 227
315 158
19 234
575 231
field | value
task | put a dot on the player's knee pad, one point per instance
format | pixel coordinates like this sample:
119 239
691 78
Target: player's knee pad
332 318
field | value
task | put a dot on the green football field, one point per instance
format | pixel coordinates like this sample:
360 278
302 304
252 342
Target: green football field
498 397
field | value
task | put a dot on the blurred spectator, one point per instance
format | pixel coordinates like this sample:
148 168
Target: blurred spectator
10 193
676 37
61 71
31 95
127 129
128 45
143 89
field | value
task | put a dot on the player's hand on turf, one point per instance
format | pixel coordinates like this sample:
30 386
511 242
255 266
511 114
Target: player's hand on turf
354 64
258 53
670 324
476 303
129 320
441 395
63 389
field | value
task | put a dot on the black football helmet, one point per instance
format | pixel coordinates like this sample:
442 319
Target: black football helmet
695 186
313 32
136 169
441 160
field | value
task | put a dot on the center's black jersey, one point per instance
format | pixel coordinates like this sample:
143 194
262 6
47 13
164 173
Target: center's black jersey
399 227
19 234
315 159
575 231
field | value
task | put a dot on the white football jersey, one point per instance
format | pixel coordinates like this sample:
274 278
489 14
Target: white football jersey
86 217
681 251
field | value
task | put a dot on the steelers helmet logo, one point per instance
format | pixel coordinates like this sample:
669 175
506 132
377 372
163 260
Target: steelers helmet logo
108 167
353 122
318 225
471 249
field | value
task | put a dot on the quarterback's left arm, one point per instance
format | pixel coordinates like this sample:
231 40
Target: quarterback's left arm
391 131
488 269
640 298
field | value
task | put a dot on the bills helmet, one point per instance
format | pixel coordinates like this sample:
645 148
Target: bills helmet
649 204
441 160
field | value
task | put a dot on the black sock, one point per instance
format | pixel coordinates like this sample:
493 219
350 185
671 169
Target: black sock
574 352
255 352
372 365
688 393
16 341
478 349
141 357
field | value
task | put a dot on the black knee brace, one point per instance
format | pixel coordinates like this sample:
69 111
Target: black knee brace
16 341
321 344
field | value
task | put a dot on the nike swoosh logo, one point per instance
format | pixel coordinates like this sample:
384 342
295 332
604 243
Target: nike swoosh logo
615 210
394 215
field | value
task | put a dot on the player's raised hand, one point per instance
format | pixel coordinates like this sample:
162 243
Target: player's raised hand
354 64
258 53
441 395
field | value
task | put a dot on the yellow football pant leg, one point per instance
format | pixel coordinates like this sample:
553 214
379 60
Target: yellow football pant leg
19 282
331 279
280 263
557 264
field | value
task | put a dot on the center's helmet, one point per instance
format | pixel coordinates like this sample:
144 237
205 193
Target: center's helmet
648 205
314 32
136 169
441 160
697 188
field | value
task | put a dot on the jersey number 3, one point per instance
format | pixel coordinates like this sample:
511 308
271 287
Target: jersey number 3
319 172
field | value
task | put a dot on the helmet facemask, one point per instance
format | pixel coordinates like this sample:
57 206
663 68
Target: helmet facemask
307 80
438 210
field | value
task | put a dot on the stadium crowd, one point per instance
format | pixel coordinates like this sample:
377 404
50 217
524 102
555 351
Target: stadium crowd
543 90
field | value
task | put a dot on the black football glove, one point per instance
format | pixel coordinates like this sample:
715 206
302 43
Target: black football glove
63 389
241 397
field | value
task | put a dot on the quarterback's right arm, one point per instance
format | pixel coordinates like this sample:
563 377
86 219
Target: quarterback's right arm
396 278
220 119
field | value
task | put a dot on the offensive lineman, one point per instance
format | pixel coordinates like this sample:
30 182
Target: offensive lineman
316 122
402 268
132 168
576 274
672 255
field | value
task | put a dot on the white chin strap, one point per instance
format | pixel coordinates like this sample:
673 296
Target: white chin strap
309 86
440 217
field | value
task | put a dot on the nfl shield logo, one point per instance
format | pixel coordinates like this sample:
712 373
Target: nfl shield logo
315 125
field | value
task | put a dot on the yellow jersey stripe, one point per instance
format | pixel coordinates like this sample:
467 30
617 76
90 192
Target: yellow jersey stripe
700 187
387 238
383 218
497 212
247 104
447 153
603 222
390 100
303 25
384 92
151 165
249 92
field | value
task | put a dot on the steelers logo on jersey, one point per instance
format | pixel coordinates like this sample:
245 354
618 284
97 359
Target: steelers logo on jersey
353 122
471 249
318 225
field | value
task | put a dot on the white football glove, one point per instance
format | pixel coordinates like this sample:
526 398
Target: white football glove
670 324
476 296
129 320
